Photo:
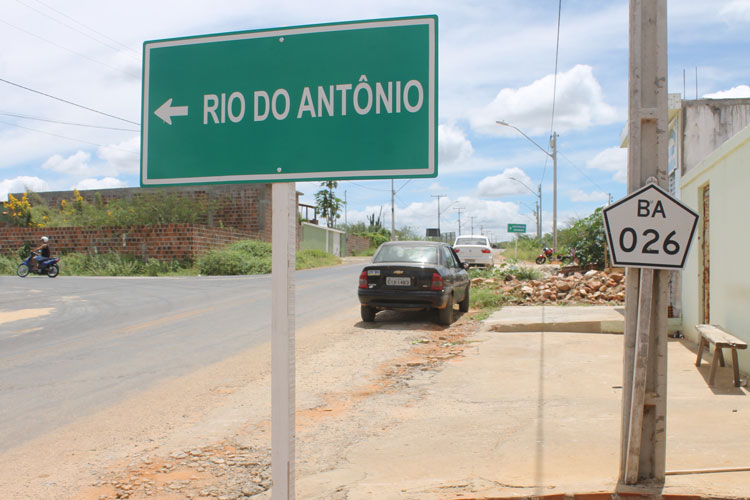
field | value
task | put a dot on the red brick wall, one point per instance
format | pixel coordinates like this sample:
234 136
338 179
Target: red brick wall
356 244
246 207
162 242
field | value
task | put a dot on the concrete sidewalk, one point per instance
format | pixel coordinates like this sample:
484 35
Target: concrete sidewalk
536 413
579 319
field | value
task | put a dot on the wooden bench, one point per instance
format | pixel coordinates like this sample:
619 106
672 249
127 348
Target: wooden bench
712 334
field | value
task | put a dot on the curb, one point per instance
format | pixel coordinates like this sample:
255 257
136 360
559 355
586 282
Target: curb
609 327
605 496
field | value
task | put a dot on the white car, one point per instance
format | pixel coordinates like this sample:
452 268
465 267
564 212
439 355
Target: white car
474 250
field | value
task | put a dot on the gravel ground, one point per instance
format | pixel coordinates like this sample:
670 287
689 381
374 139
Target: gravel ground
207 435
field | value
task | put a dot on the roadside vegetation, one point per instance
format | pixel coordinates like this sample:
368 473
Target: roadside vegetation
159 207
585 235
239 258
487 298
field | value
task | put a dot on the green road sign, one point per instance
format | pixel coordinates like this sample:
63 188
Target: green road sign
330 101
516 228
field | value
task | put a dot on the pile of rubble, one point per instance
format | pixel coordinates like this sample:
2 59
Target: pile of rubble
592 287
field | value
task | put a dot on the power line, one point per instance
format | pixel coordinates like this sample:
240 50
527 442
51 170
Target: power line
557 57
63 47
69 138
68 102
76 29
367 187
554 85
88 27
583 173
26 117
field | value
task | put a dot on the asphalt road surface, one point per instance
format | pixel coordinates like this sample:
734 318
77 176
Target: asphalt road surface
84 343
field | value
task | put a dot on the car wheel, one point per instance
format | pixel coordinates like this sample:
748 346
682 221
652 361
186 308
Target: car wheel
23 270
463 306
368 314
445 315
53 271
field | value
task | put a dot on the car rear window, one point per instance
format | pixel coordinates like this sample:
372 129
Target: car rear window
395 253
471 241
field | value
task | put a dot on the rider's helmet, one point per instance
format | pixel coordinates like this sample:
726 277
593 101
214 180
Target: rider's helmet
45 239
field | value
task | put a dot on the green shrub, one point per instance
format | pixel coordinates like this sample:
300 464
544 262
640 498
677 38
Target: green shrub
230 262
482 298
107 264
308 259
252 248
8 265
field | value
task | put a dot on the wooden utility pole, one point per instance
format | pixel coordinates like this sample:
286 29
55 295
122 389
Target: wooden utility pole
644 408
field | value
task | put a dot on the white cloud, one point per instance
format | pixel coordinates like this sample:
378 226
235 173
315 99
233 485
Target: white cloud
578 195
579 105
76 164
736 10
20 185
453 146
612 160
487 216
123 157
733 93
511 182
435 187
104 183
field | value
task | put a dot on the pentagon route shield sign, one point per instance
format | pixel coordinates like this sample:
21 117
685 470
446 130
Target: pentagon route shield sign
649 228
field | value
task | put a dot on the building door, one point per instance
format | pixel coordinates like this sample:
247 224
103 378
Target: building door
705 259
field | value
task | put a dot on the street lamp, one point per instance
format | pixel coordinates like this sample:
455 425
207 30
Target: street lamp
538 206
553 155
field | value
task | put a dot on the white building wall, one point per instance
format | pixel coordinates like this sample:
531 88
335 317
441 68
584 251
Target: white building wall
727 171
707 124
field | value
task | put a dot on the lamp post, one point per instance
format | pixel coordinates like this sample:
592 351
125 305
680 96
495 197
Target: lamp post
553 155
538 206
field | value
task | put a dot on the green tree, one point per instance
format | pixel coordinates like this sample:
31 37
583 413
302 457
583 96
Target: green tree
587 237
327 203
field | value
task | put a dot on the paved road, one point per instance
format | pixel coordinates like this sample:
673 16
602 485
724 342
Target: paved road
99 339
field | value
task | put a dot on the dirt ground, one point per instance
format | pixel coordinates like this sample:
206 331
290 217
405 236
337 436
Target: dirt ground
207 435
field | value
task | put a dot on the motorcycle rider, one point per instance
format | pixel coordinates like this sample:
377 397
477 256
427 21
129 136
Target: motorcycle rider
45 253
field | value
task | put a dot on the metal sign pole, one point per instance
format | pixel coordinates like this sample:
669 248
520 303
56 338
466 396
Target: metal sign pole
284 241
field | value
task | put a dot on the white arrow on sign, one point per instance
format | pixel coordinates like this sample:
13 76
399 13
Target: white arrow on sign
166 111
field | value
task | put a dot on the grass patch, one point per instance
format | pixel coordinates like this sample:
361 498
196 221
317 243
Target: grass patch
8 265
482 298
506 269
308 259
117 264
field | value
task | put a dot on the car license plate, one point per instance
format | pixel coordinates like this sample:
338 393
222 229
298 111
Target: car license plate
469 260
391 281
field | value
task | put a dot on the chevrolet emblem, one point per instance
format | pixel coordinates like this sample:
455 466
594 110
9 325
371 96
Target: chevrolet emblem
398 272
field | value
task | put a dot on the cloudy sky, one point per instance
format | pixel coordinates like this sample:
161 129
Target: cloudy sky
70 95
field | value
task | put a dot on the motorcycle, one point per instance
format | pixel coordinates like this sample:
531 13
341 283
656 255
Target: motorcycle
47 266
548 254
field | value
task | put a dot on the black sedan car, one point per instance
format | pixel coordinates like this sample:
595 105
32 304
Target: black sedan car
414 275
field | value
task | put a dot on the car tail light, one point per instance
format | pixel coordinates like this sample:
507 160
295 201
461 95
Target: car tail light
437 282
363 279
486 250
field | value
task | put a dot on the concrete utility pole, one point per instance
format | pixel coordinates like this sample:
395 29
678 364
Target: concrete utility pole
459 219
438 196
553 146
472 224
644 408
553 155
393 212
